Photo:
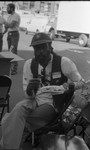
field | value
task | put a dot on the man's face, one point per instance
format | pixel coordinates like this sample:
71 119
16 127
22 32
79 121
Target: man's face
42 54
9 10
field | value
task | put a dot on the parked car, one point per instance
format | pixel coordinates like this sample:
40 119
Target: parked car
26 17
37 23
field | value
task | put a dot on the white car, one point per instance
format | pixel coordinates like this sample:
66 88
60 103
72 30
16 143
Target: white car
25 17
37 24
25 20
32 23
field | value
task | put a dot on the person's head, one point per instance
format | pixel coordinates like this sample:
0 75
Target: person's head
41 43
10 8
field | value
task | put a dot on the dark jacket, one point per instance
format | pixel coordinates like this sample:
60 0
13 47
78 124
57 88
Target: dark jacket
57 77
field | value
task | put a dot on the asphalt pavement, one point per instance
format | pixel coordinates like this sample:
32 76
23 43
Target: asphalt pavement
58 44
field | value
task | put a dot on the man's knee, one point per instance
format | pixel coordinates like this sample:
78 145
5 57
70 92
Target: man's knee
22 108
19 109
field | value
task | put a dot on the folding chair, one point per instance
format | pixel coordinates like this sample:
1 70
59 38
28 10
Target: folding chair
5 85
61 102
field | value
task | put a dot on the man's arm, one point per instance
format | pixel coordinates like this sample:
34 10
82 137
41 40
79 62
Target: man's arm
5 26
12 24
5 29
70 70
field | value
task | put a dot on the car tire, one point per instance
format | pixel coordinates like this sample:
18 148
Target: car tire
83 40
67 39
88 43
26 32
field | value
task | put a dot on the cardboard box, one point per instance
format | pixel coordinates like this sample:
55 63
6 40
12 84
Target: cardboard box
5 61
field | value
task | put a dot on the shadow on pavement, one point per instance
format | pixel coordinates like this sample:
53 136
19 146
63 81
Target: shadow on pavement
16 93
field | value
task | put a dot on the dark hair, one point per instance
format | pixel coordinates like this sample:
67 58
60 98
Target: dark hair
11 5
50 45
51 29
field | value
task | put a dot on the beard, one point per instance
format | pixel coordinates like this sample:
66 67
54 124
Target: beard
40 60
43 60
9 12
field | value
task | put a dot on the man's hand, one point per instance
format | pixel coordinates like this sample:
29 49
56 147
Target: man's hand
11 25
1 35
69 86
6 25
66 86
33 86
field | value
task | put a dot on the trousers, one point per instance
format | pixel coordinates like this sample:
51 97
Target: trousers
1 42
13 123
12 40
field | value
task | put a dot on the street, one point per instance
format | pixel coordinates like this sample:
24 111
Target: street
80 55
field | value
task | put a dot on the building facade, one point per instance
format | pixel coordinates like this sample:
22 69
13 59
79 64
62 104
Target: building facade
48 7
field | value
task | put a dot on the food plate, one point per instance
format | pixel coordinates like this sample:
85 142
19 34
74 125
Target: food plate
52 89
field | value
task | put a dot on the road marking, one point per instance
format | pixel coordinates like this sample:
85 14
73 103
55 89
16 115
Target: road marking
76 51
88 61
